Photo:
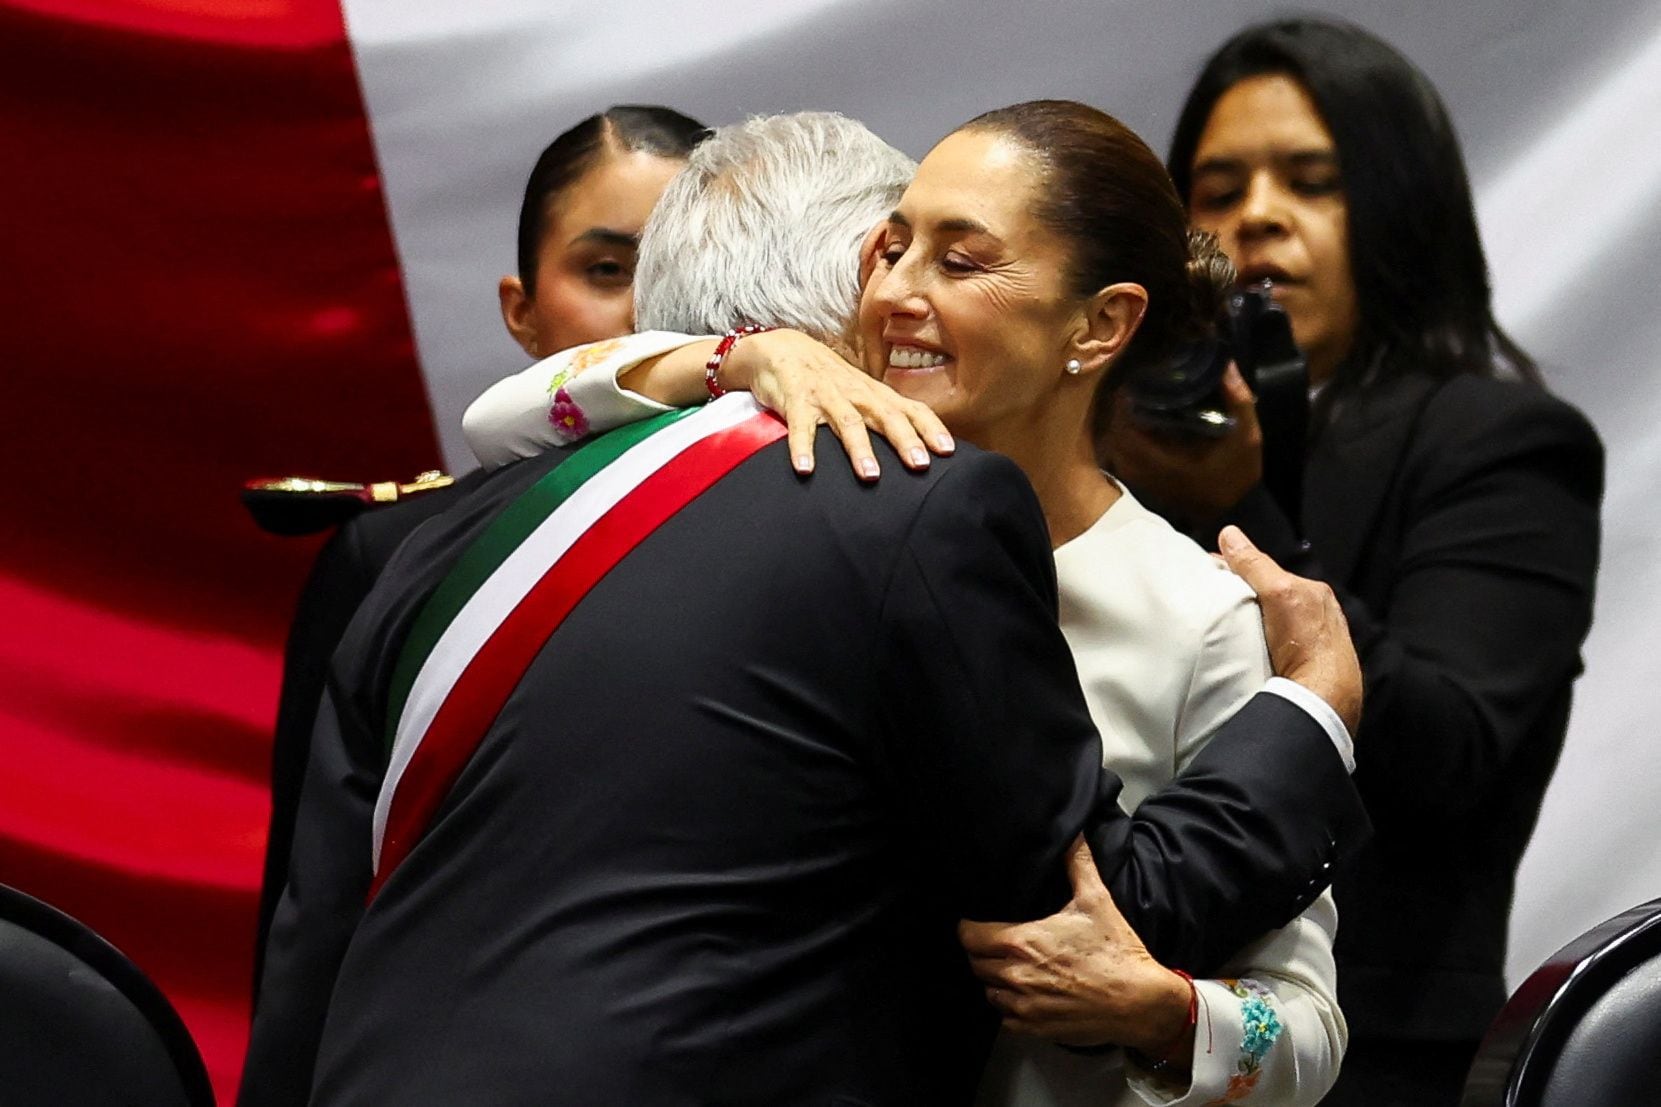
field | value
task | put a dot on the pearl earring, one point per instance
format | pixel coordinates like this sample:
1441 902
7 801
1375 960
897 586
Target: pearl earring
1073 366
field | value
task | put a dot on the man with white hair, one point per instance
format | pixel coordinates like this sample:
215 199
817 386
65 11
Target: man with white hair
652 774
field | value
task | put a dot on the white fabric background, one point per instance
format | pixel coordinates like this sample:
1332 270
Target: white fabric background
1556 102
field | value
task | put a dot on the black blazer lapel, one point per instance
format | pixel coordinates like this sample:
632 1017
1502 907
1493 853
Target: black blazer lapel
1353 466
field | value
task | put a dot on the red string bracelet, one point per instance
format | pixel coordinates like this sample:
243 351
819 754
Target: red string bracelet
722 349
1193 1000
1170 1070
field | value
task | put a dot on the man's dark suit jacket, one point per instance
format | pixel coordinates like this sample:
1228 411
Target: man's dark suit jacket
1458 523
714 848
345 569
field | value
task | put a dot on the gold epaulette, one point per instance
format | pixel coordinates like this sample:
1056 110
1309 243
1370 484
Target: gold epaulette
306 505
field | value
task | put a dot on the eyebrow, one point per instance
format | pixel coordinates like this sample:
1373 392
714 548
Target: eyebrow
964 226
1300 159
608 237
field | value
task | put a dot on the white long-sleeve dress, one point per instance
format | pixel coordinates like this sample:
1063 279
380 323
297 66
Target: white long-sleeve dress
1168 645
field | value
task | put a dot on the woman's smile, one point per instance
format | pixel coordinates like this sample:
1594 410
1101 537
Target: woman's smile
914 360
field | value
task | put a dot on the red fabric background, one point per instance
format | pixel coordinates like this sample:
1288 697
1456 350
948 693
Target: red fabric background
200 286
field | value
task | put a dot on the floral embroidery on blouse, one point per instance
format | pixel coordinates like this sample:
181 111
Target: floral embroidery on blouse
565 415
587 357
567 418
1260 1026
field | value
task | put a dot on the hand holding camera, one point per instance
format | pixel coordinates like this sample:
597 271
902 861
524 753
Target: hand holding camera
1224 415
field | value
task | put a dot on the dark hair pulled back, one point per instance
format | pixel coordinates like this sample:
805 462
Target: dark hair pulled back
628 128
1108 196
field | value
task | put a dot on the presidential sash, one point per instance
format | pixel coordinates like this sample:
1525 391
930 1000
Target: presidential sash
511 589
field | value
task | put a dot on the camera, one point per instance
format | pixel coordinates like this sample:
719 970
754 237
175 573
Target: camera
1185 396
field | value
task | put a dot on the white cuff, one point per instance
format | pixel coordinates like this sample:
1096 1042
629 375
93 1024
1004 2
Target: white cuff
1238 1026
563 398
606 404
1319 710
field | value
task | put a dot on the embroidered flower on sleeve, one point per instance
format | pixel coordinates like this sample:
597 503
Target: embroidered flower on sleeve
567 419
1260 1026
591 355
558 381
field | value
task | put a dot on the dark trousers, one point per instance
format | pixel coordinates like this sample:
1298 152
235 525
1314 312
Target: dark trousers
1382 1072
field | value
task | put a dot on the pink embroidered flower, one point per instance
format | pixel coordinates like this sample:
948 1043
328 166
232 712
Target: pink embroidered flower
567 419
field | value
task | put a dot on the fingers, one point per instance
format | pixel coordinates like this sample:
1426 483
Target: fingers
1249 563
1237 394
848 425
896 426
803 420
931 429
1242 405
987 939
1082 872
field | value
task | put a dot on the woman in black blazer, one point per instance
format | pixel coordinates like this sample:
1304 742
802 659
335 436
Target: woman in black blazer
1450 501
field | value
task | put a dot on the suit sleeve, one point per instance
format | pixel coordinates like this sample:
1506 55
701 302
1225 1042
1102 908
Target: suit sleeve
1489 601
339 579
992 733
320 907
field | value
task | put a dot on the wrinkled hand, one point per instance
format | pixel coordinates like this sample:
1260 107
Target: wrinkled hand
1200 478
1309 638
1081 976
808 383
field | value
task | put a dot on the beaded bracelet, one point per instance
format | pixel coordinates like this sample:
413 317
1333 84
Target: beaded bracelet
722 349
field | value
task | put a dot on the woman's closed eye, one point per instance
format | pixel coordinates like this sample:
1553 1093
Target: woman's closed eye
609 273
1216 198
1317 186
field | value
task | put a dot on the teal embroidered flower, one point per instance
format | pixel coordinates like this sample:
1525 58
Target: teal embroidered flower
1261 1027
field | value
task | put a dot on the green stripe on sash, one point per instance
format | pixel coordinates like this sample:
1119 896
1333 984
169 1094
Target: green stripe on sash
504 535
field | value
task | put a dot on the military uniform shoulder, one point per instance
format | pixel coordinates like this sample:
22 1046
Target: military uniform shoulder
306 505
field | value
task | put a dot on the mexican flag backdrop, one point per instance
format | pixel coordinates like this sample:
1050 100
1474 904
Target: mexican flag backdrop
259 237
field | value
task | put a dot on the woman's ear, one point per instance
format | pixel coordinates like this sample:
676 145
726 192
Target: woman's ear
869 249
519 313
1110 320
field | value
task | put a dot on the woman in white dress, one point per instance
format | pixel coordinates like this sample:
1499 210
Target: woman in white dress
1040 253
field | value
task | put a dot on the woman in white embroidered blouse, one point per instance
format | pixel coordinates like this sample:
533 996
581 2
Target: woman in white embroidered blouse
1168 644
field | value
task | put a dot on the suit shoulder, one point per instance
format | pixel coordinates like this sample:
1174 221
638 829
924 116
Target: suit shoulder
377 534
966 476
1481 405
1474 423
971 468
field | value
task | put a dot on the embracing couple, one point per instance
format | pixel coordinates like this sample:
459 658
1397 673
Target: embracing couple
654 773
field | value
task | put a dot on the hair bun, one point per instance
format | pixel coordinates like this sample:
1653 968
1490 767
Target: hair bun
1211 278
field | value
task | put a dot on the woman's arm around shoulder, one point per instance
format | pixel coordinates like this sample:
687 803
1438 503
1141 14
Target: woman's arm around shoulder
567 397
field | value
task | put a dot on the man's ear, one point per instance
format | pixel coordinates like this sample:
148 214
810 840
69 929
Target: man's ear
1109 322
518 312
869 249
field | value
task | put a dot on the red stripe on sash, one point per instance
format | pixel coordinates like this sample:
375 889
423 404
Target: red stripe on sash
495 671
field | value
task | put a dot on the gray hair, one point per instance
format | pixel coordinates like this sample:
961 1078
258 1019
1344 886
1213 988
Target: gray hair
764 226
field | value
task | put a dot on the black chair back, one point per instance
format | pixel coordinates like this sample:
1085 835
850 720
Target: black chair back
1585 1028
80 1023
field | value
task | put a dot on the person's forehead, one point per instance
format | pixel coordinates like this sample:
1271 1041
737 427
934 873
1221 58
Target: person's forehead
615 195
972 178
1264 116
